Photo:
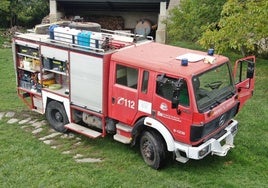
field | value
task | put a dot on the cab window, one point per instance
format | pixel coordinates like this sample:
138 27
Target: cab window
126 76
165 89
145 80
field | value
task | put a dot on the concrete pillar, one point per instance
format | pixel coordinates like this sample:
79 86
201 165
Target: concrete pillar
160 35
53 16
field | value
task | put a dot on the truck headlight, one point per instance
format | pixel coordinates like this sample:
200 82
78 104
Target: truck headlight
234 129
203 151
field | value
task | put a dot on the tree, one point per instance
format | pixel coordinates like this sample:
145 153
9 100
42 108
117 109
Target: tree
9 9
22 12
186 21
242 26
4 12
32 11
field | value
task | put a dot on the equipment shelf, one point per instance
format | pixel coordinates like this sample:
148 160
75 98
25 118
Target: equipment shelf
26 55
57 72
29 70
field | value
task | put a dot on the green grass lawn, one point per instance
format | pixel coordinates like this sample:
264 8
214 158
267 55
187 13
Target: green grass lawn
27 162
9 99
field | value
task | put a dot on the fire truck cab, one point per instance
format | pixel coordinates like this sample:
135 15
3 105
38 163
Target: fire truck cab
159 97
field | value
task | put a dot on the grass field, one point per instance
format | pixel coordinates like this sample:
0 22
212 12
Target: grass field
27 162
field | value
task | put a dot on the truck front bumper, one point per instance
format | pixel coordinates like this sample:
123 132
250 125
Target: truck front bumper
218 146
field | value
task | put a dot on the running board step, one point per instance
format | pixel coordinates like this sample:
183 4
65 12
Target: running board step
123 127
83 130
122 139
38 111
182 159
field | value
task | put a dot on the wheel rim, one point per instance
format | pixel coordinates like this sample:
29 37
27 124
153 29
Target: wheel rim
148 150
57 116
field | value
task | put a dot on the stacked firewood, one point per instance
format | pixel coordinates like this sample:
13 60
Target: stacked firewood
107 22
45 20
9 33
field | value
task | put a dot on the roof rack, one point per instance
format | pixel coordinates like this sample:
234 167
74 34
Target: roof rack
92 40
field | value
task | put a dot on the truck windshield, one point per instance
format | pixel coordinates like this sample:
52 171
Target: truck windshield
213 87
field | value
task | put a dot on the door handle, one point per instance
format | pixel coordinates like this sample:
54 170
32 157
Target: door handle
113 100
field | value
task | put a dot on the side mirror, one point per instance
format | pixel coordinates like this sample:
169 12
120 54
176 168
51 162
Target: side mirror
175 101
250 69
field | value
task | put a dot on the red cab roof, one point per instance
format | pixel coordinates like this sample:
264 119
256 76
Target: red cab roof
166 59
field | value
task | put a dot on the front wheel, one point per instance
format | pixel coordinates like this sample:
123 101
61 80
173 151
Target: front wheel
152 148
56 116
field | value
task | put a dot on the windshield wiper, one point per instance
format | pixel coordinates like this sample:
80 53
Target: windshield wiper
216 103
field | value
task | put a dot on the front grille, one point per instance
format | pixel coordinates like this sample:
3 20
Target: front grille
198 132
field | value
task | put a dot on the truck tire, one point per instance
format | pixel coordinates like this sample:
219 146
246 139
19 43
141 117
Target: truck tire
56 116
152 149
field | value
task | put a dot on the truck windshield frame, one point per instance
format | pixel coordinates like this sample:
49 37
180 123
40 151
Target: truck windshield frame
213 87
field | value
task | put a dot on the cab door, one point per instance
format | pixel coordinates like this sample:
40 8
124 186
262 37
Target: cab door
124 94
244 75
177 119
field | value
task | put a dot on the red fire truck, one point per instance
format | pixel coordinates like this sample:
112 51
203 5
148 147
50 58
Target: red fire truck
164 99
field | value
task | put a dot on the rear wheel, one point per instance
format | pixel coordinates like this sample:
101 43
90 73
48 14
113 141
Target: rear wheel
152 148
56 116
